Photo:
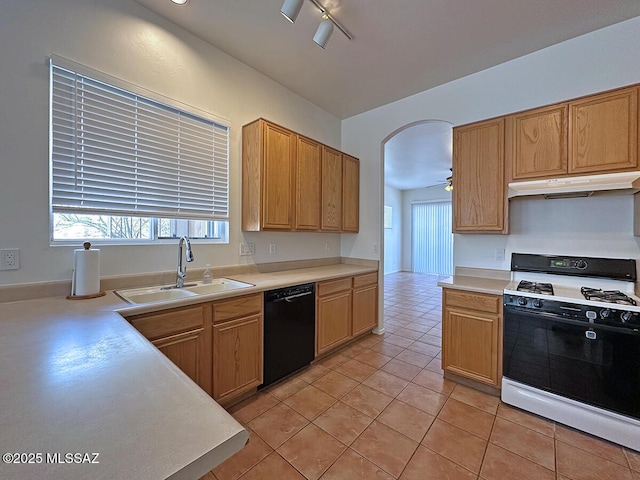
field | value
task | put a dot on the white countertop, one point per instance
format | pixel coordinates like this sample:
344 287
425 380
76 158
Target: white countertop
492 286
76 377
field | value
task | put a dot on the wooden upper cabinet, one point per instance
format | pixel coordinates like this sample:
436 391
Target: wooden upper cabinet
537 143
350 193
308 182
331 218
293 183
479 196
604 132
268 176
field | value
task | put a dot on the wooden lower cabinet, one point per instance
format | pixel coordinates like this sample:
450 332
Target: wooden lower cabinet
237 346
346 308
184 336
471 335
365 303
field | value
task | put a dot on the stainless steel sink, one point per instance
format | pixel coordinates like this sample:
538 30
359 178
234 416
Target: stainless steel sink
163 293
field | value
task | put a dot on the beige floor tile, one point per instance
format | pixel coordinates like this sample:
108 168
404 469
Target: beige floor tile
428 465
592 444
401 369
332 361
254 451
371 358
369 340
526 419
351 466
397 340
278 425
455 444
335 384
311 451
387 448
468 418
414 358
356 370
501 464
579 464
313 373
406 419
476 398
343 422
634 459
424 348
407 333
367 400
286 388
386 383
527 443
431 340
273 467
387 349
435 365
310 402
353 349
422 398
250 408
434 381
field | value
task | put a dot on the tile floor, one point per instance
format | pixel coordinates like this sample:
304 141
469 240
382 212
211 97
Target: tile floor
380 409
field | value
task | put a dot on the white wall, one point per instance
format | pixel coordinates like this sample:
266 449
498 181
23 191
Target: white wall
128 41
598 61
393 236
431 194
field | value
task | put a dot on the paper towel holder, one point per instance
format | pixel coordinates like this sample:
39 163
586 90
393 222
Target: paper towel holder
86 246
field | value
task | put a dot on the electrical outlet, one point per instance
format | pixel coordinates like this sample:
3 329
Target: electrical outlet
499 255
247 249
273 248
10 259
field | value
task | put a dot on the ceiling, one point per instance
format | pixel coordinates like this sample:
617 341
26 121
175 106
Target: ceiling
419 156
399 49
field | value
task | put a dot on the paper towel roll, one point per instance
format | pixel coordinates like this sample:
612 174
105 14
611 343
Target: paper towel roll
86 272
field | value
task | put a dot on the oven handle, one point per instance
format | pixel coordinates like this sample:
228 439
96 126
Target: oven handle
556 318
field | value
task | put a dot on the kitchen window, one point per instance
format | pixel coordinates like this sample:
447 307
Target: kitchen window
127 165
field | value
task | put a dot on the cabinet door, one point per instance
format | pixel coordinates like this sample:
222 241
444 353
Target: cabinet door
308 180
470 345
603 132
331 189
278 176
184 336
237 356
365 309
350 193
538 143
479 197
190 352
333 321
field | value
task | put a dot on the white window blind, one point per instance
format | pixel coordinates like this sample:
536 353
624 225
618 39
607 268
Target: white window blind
116 152
432 240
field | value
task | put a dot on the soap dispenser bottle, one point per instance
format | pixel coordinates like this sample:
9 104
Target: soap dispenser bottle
206 276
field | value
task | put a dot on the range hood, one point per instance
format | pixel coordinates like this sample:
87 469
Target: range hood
625 182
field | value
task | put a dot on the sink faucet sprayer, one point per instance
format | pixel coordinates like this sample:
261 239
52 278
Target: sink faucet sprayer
182 272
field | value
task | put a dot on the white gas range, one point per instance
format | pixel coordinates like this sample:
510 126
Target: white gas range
571 349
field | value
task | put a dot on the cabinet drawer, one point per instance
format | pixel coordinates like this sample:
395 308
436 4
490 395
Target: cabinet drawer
333 286
472 301
170 322
237 307
366 279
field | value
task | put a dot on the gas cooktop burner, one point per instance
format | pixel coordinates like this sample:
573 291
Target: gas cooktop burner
611 296
535 287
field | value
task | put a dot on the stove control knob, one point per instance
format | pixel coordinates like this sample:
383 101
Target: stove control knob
537 303
581 264
522 301
605 313
626 316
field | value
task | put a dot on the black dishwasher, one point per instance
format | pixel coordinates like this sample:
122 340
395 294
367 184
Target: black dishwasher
289 330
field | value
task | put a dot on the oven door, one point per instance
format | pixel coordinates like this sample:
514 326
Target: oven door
594 364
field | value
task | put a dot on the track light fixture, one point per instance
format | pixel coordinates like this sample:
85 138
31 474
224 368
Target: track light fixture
449 186
324 31
291 8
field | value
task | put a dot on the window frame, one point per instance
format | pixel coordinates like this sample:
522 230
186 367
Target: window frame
154 97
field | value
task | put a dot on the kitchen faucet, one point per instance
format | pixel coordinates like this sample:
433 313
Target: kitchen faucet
182 272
